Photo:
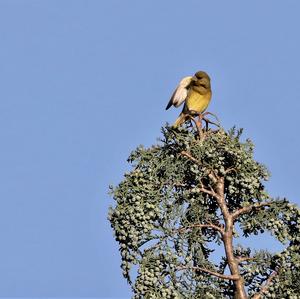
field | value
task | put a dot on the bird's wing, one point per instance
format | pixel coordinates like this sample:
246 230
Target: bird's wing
180 93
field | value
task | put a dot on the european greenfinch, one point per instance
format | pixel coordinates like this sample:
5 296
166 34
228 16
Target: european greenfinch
195 92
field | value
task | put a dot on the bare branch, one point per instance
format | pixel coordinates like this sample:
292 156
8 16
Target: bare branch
241 259
209 192
198 225
212 175
266 286
219 275
188 155
248 209
230 170
179 185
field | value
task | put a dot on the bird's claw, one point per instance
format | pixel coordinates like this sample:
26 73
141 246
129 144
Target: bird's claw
201 117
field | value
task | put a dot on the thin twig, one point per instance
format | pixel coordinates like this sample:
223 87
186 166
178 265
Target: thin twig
230 170
241 259
266 286
198 225
209 113
209 192
188 155
179 185
219 275
248 209
211 122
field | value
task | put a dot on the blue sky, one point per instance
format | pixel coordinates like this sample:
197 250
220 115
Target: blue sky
85 82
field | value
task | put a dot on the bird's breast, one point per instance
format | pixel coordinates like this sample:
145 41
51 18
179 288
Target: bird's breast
198 102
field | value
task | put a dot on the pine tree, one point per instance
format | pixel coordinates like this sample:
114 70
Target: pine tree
195 193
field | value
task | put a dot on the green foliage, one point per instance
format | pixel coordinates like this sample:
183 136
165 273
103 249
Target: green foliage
160 205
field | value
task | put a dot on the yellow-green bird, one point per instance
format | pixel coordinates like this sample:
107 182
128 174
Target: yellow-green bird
195 92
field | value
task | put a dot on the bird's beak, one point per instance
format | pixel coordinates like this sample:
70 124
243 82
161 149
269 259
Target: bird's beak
194 78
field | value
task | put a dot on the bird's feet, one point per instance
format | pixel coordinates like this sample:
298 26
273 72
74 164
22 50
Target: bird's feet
202 117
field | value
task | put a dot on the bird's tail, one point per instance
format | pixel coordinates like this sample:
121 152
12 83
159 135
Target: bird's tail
180 120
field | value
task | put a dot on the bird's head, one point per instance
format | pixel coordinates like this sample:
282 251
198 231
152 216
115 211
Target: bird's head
201 78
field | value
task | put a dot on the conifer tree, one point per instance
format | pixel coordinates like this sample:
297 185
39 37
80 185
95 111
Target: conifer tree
194 192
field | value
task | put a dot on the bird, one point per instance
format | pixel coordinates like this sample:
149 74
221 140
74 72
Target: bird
196 92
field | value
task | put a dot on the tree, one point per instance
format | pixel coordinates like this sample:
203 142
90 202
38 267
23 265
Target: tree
195 192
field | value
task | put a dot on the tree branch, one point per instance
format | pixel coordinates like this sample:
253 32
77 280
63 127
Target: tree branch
219 275
209 192
189 156
266 286
198 225
228 170
241 259
212 175
232 262
248 209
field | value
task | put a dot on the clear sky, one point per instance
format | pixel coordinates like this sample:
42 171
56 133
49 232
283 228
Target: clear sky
85 82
